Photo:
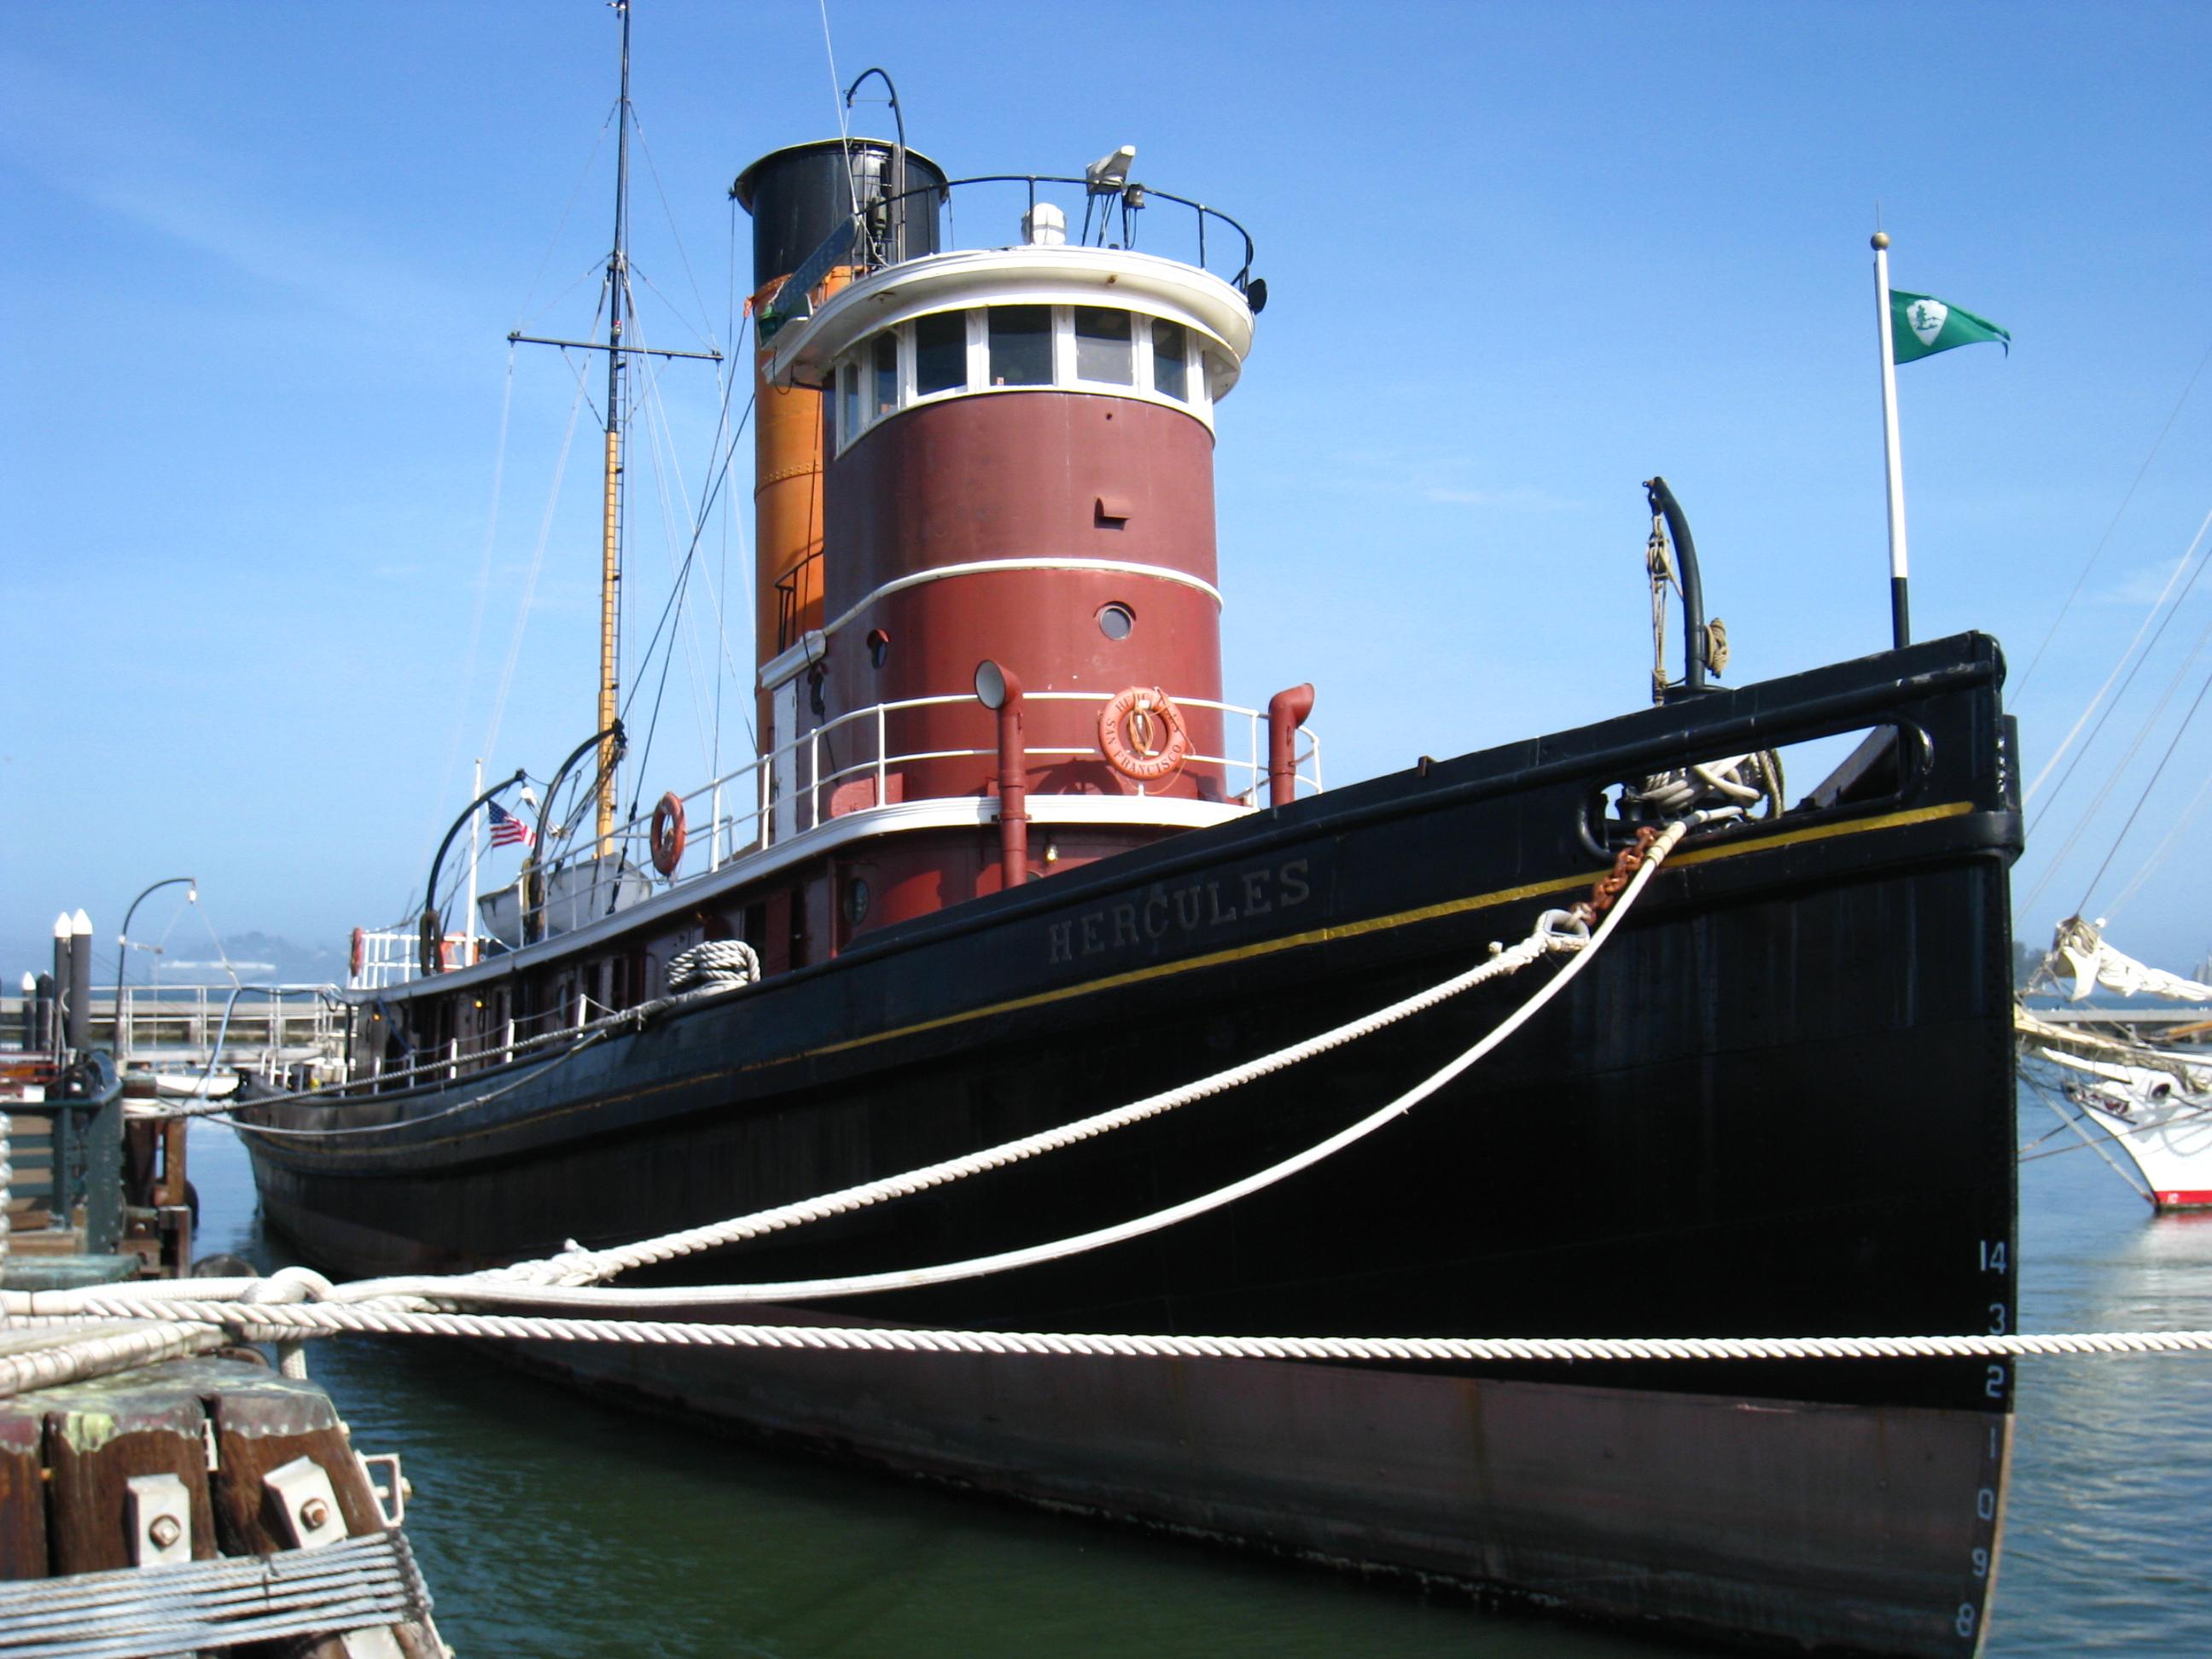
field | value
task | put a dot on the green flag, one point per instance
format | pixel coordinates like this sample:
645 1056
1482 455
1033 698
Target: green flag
1920 326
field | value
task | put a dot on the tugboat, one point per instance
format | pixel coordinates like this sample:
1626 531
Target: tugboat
1007 857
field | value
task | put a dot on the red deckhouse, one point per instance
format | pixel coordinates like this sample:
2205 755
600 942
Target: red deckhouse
1001 456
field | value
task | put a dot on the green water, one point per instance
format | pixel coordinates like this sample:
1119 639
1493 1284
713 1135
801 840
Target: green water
550 1525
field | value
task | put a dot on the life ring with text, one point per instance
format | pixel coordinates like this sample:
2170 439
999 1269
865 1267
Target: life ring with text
359 951
667 834
1142 734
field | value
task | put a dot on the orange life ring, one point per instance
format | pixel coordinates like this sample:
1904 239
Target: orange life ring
1140 752
360 949
667 834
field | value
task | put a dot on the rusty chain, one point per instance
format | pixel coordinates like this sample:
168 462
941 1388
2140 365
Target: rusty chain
1609 886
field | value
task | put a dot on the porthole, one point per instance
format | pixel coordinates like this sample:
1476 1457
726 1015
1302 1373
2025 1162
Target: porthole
879 646
1115 621
856 902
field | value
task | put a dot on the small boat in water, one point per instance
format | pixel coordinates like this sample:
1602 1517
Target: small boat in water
2145 1084
1009 859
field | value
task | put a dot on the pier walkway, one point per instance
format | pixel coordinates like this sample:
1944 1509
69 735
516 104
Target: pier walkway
176 1028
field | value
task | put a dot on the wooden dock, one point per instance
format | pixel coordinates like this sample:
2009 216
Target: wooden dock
114 1490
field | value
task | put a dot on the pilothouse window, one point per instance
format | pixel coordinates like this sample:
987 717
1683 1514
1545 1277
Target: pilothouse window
1102 351
940 353
1170 359
887 373
990 347
1021 345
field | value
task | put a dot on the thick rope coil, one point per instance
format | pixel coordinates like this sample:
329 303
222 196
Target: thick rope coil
1742 781
717 964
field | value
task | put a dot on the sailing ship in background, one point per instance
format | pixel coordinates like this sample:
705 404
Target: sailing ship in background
1008 859
2144 1082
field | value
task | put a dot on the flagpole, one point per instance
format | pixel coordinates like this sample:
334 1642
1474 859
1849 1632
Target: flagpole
1899 623
476 787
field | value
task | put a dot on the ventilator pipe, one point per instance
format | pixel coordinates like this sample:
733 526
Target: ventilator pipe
1694 647
1286 713
432 957
1000 690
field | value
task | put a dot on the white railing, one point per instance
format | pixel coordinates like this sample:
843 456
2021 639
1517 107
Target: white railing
744 813
183 1022
755 827
393 956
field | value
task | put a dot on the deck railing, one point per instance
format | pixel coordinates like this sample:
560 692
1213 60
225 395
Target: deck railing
790 791
1132 215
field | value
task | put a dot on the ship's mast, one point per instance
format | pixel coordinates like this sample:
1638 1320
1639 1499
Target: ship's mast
610 681
611 534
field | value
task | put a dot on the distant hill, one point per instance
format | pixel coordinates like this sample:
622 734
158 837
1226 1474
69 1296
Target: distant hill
256 958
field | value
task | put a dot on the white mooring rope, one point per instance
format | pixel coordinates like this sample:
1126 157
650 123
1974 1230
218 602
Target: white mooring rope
296 1304
282 1322
534 1284
1551 933
90 1350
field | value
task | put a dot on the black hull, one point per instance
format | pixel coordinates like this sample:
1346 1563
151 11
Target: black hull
1779 1102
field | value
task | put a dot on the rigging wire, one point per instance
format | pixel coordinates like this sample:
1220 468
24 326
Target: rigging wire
220 955
726 373
673 610
665 465
2096 552
468 675
683 257
2157 605
844 116
575 195
2159 853
2158 772
530 581
2113 779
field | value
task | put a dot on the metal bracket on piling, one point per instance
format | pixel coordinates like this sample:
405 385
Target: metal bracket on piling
161 1520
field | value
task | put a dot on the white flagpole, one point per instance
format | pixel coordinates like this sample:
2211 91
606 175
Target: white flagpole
1900 626
476 787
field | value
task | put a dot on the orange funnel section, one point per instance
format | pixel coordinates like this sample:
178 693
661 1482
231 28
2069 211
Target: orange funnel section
787 435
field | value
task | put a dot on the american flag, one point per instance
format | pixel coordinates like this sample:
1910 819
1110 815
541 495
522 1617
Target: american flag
506 830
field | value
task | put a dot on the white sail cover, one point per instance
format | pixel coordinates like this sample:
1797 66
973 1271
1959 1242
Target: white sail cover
2079 945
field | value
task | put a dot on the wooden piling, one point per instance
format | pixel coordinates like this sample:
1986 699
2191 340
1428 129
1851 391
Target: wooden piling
221 1424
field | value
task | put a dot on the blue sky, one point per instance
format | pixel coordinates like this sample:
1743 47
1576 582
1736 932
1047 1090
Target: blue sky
262 260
